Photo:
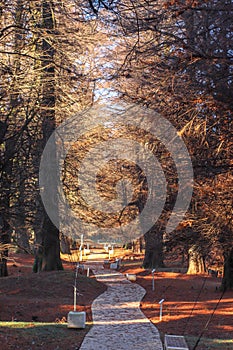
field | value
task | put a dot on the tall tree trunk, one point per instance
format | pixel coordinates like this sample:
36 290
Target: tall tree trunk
227 281
154 248
5 239
22 239
5 231
22 232
137 245
48 257
196 261
65 244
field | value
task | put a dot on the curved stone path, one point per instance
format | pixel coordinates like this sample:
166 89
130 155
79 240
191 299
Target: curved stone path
118 322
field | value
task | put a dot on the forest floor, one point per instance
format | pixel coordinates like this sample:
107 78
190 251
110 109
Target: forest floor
34 307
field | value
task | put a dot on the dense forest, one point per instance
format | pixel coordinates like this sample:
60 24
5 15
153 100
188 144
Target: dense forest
61 60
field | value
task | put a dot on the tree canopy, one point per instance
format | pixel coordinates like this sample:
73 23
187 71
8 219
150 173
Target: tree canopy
174 57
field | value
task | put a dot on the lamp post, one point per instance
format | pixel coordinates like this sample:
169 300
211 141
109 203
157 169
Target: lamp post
75 287
80 249
76 319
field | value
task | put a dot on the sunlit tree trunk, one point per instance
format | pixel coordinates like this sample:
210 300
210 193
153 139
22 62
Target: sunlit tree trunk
196 261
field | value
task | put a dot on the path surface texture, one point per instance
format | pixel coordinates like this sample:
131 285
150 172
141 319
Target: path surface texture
118 323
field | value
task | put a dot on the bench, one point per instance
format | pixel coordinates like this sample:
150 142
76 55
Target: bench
115 265
175 342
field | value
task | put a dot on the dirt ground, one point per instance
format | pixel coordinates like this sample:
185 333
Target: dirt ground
193 306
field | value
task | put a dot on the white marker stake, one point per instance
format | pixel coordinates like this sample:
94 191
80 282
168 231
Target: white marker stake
88 272
75 296
161 309
80 249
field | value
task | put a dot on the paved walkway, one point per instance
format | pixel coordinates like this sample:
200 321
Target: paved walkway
118 323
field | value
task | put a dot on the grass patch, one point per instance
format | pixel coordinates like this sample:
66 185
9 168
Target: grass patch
37 335
35 324
210 344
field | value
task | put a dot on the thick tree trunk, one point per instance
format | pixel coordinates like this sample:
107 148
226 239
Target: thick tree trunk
5 239
196 261
3 259
22 228
47 254
51 247
22 234
3 266
48 257
65 245
22 240
227 281
5 230
153 249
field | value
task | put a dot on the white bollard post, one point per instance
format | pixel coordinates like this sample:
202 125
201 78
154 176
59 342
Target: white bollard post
161 309
75 296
